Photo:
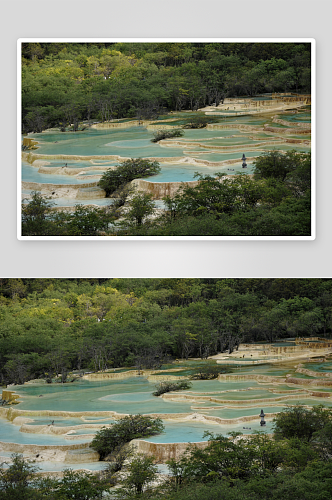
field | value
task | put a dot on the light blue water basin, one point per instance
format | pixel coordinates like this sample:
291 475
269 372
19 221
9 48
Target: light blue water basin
283 344
31 174
244 395
185 173
96 396
272 371
288 147
60 466
133 142
80 432
67 422
192 432
319 367
56 421
302 117
200 135
227 413
247 120
312 402
10 433
221 156
221 385
92 173
136 397
70 202
77 164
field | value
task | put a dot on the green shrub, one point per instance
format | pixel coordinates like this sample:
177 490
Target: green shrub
141 472
301 422
167 134
127 171
200 121
209 372
164 387
109 439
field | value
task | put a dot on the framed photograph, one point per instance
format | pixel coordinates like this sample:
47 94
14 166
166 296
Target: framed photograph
166 139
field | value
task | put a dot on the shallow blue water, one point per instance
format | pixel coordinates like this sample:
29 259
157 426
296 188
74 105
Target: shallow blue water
69 202
79 163
50 466
10 433
135 142
192 432
185 173
76 397
31 174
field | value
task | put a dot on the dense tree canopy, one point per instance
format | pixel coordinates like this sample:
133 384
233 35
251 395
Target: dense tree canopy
50 327
65 83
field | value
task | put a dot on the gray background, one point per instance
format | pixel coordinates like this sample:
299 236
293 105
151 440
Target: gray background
156 18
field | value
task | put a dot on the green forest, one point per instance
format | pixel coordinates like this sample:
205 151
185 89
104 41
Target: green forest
51 328
66 83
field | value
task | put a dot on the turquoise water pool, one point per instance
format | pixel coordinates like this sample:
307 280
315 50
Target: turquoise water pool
98 396
31 174
135 142
193 432
70 202
10 433
234 399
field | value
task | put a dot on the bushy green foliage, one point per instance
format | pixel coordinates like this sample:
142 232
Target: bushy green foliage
66 83
19 481
118 458
141 205
277 202
293 166
131 427
256 467
240 459
141 472
168 386
209 372
312 483
17 478
159 135
301 422
127 171
54 326
35 216
38 219
200 121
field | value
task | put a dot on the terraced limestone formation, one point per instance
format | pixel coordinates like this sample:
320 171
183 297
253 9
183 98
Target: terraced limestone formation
55 423
62 164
